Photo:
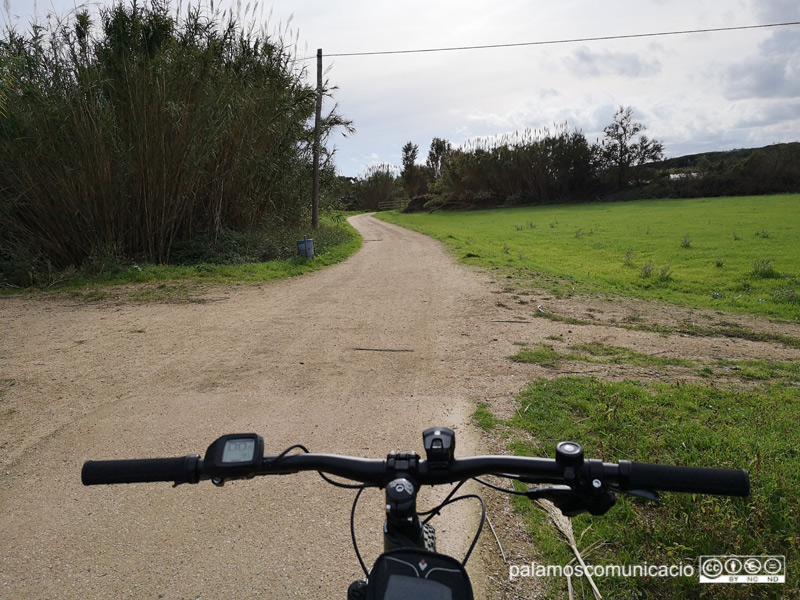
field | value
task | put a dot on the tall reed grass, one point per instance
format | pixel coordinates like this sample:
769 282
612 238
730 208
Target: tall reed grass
148 128
379 183
528 167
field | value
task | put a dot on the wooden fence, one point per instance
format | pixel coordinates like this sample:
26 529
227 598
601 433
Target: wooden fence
392 205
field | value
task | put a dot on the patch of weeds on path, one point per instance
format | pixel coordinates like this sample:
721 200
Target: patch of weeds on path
620 355
690 329
545 355
543 314
484 417
739 332
762 370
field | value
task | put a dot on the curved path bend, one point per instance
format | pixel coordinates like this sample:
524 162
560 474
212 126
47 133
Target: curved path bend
358 358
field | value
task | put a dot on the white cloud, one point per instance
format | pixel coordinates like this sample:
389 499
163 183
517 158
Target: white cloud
695 92
773 72
586 62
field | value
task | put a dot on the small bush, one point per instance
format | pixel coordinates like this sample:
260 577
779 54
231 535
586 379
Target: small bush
763 269
686 242
665 274
647 269
628 258
719 263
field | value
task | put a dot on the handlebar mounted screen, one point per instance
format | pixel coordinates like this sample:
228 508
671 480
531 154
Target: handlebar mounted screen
234 456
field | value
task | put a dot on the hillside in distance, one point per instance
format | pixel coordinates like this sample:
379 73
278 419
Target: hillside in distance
728 157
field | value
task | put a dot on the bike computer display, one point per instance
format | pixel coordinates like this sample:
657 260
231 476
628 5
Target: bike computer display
238 450
234 456
402 587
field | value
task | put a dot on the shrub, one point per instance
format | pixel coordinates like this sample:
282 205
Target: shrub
763 269
627 260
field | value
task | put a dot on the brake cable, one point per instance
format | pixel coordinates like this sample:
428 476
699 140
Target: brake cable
285 453
353 530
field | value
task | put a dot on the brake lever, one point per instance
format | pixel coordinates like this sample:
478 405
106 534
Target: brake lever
646 494
572 503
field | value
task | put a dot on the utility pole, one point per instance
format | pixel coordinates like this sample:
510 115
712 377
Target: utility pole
317 127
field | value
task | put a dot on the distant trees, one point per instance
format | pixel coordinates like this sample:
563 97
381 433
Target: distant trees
535 167
380 183
527 168
621 150
770 170
412 175
546 166
440 152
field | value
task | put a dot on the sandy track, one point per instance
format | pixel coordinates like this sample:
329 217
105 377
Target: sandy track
96 381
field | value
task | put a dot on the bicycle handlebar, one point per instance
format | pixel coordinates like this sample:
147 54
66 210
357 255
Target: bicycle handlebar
725 482
181 469
625 475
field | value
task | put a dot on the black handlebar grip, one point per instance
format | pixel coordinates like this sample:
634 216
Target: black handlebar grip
700 480
182 469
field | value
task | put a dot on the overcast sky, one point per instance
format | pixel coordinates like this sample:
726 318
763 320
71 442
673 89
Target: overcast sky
699 92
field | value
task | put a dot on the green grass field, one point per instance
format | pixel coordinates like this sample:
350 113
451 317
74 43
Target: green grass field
730 254
736 254
695 425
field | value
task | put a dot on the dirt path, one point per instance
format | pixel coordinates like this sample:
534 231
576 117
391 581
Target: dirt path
97 381
303 360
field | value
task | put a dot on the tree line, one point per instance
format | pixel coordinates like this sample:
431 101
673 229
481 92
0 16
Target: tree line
529 167
561 165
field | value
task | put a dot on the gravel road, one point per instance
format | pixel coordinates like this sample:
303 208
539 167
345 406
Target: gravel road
358 358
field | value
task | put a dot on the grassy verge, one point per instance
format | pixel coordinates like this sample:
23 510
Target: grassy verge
670 424
734 254
333 243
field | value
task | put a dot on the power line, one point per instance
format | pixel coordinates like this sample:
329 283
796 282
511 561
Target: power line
562 41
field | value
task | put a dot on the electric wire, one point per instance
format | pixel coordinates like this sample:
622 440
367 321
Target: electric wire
560 41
